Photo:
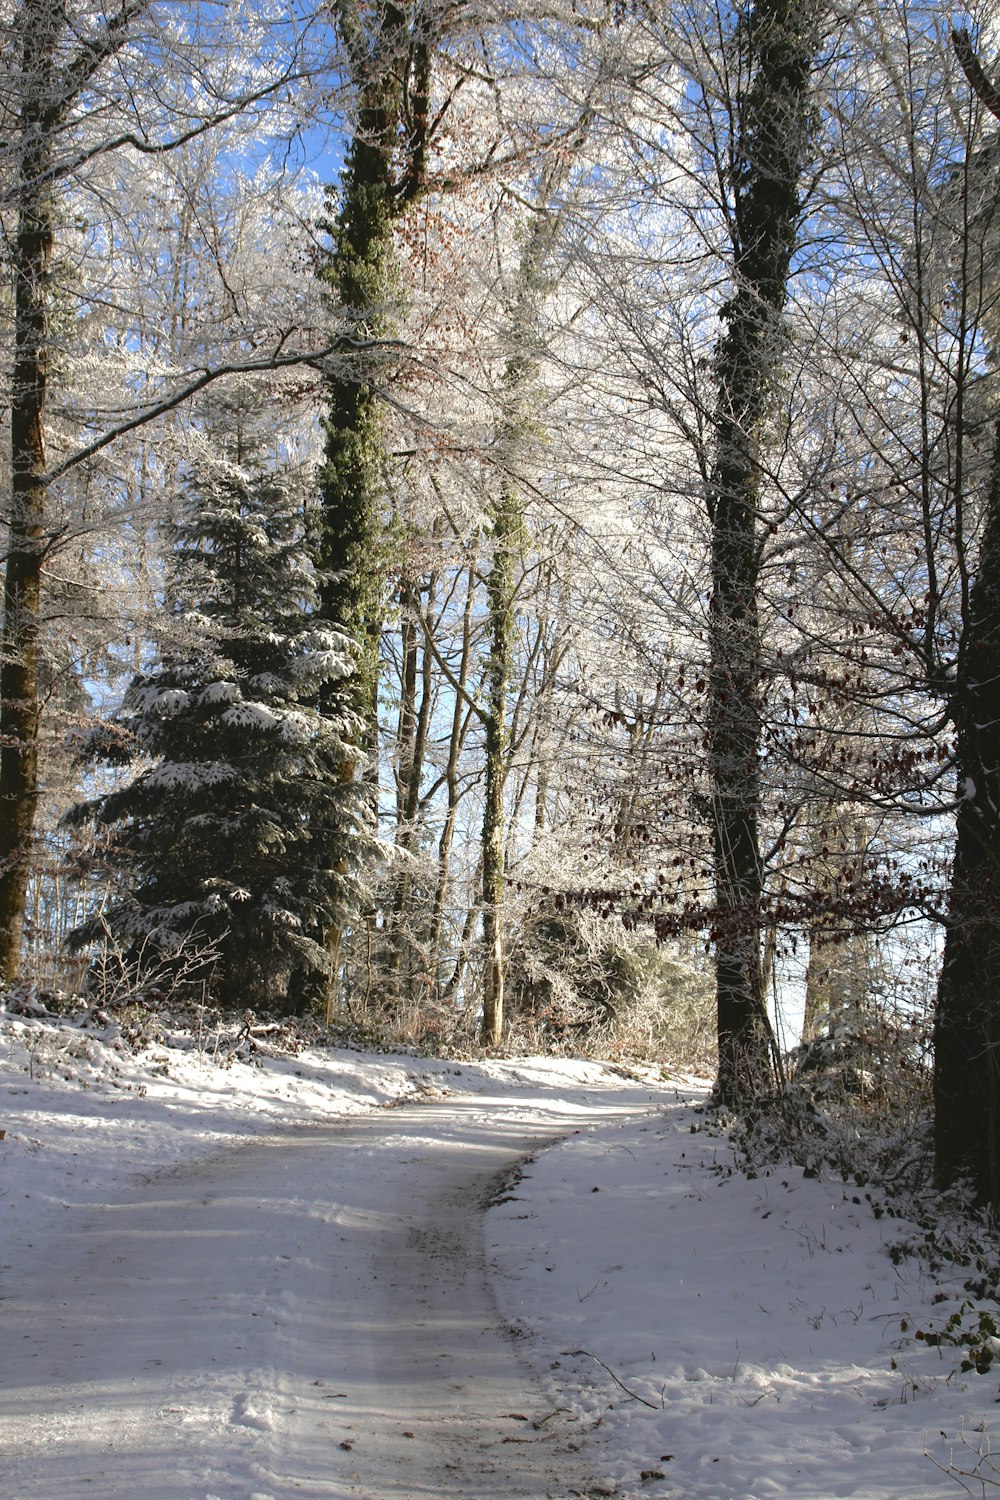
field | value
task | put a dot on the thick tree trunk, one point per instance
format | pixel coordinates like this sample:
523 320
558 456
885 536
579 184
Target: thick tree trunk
967 1023
20 708
967 1018
770 153
353 481
361 273
390 65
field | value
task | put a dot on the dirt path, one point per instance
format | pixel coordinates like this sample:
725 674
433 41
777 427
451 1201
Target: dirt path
304 1316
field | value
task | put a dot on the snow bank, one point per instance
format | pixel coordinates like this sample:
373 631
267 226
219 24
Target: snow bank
735 1339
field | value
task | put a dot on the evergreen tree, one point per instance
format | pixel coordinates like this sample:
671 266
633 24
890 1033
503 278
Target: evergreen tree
233 832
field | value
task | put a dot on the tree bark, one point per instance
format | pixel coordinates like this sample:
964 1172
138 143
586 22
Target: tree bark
507 525
20 707
456 741
389 53
967 1016
967 1020
770 152
500 594
354 473
837 968
361 273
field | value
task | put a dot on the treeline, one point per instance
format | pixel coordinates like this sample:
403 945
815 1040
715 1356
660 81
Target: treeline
501 522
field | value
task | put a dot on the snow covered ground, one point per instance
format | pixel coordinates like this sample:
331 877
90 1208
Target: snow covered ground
216 1288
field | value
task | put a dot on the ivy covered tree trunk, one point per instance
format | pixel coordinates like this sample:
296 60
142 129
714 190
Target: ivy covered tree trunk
389 58
20 708
388 50
354 476
778 38
967 1022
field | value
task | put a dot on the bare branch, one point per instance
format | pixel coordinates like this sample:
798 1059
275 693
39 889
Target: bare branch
279 360
987 93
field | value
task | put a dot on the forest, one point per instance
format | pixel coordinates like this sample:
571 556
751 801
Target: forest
501 529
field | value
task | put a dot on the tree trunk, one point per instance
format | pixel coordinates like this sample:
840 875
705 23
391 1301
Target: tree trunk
390 64
456 741
20 708
837 969
506 515
769 156
967 1017
410 935
500 592
967 1022
353 482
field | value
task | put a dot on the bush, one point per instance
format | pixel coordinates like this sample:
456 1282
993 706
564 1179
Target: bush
586 982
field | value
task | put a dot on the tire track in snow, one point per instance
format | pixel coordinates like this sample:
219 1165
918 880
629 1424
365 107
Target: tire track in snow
304 1316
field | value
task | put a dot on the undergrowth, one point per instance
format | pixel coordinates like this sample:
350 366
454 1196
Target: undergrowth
173 1016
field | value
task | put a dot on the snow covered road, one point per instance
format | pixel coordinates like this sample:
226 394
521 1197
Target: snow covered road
308 1314
225 1280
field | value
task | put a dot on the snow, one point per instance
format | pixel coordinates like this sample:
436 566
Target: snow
192 776
198 1256
154 699
764 1327
219 692
251 716
296 728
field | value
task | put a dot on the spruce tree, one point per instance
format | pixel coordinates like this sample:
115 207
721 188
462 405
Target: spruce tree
238 832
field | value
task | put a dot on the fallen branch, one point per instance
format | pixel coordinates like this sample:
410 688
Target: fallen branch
651 1404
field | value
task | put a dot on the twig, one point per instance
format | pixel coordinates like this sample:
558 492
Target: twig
984 1472
651 1404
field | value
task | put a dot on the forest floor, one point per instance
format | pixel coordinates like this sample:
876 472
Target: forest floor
345 1274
